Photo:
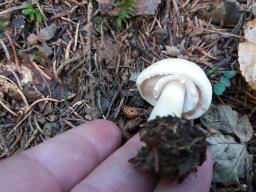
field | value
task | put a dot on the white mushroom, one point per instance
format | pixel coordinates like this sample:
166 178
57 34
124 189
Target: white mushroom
175 87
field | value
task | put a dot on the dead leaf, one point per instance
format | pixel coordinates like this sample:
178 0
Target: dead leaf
34 81
146 7
45 34
231 159
244 129
107 51
44 50
222 118
48 32
143 7
226 12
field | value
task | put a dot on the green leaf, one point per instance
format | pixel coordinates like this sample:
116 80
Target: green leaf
225 81
230 74
31 17
125 15
219 88
119 23
213 72
33 14
39 16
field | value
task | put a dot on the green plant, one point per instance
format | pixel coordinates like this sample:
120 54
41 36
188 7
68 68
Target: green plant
33 14
65 98
3 26
224 82
126 12
99 23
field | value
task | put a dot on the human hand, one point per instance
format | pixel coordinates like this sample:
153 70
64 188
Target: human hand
87 159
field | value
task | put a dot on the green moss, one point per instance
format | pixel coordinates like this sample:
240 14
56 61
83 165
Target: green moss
3 25
33 14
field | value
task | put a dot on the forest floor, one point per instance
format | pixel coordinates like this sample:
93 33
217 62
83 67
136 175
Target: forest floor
64 63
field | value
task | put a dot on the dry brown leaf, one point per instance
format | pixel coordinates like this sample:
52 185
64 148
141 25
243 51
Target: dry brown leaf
108 51
222 118
146 7
143 7
45 34
232 161
35 82
220 12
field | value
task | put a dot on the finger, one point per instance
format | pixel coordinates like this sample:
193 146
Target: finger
58 164
117 174
199 181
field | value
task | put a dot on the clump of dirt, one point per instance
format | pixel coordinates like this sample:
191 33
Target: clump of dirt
173 148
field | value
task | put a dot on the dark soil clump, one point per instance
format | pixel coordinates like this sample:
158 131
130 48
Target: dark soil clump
173 148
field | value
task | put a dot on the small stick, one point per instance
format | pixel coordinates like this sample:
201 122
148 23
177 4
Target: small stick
6 52
14 52
76 36
8 109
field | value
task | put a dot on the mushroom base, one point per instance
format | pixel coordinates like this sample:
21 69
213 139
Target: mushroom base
173 148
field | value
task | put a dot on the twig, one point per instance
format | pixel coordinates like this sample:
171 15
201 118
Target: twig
8 109
64 64
12 9
76 36
6 52
65 13
14 51
29 113
14 86
89 33
40 70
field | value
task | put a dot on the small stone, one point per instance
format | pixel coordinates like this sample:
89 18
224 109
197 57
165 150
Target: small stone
32 39
172 51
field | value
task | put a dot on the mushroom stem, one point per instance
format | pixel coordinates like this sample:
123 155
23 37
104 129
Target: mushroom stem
170 101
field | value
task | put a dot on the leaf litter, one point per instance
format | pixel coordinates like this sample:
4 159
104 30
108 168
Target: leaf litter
222 118
232 161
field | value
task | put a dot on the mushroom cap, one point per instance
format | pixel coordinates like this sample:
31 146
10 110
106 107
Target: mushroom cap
200 93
